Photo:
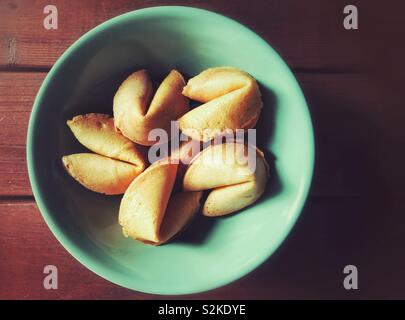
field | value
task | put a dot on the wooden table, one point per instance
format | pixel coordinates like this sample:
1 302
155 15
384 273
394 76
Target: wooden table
353 81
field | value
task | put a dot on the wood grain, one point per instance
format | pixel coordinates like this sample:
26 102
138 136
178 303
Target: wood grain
308 34
17 93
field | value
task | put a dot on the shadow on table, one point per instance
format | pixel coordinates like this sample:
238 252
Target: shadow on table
354 224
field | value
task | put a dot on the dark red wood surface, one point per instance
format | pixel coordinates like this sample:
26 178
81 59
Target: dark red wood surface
353 81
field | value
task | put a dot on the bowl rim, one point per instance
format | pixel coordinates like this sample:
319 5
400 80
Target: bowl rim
66 241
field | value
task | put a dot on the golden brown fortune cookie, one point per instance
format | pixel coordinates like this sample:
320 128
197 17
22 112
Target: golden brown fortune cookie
234 182
97 132
231 100
138 110
99 173
149 212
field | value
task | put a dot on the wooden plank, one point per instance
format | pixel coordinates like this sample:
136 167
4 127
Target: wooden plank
13 171
17 93
308 265
358 129
308 34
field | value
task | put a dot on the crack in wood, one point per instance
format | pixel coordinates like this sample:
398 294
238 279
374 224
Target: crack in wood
12 51
18 199
19 68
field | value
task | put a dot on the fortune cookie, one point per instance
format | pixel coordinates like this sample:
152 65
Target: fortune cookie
99 173
97 133
227 169
149 212
181 208
137 110
231 100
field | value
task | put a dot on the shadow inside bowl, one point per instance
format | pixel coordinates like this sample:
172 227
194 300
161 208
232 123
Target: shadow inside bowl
198 231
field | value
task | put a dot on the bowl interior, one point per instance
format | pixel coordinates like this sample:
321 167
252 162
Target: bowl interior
211 252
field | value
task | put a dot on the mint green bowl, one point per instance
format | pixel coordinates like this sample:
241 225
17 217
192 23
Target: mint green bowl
211 252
